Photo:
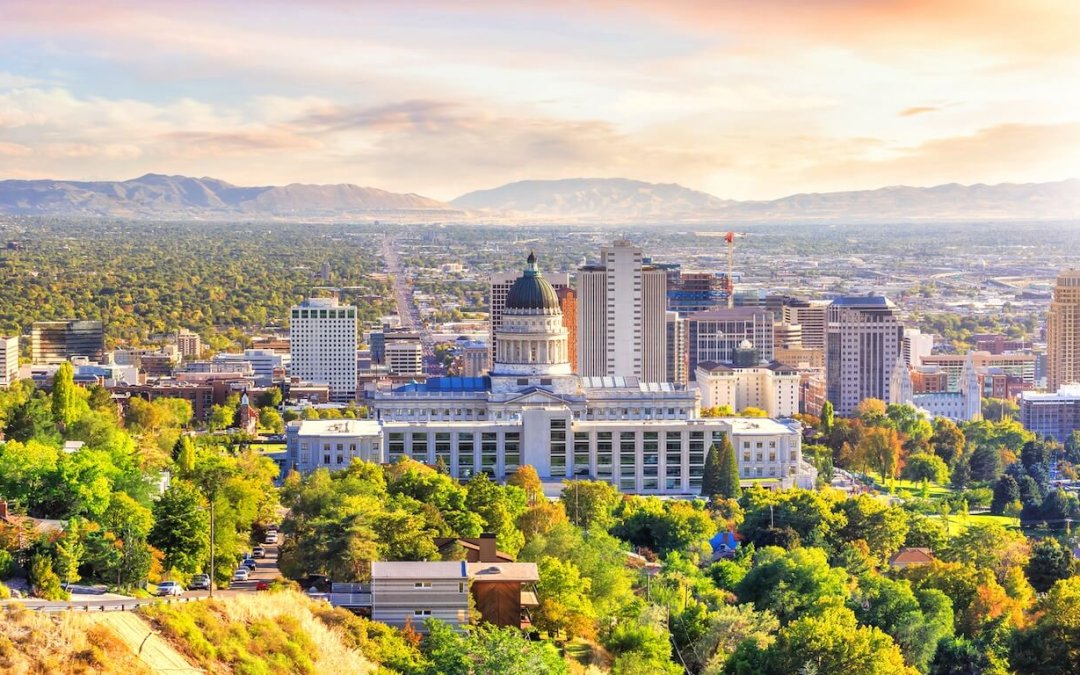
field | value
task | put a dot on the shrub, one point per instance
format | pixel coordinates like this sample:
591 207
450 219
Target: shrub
44 580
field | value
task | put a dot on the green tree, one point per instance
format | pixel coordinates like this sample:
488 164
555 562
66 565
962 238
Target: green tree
271 398
827 418
726 477
1006 491
590 503
63 394
270 419
1050 562
947 440
792 583
528 480
883 528
925 466
182 528
829 642
43 580
69 553
221 417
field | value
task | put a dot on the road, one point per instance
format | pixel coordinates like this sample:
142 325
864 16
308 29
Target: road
267 571
406 306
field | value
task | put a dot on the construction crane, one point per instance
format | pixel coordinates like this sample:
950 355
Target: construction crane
729 282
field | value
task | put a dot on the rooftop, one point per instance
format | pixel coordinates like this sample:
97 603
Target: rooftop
443 384
340 427
879 301
619 382
1067 392
504 571
418 570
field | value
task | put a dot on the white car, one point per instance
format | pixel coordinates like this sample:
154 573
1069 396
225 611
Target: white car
241 574
271 538
170 588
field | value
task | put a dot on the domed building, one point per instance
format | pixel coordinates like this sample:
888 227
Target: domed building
643 437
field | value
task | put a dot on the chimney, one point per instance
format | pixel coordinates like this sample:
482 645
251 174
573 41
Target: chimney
487 550
3 509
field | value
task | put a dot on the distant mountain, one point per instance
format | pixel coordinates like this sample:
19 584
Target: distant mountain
594 198
617 199
158 196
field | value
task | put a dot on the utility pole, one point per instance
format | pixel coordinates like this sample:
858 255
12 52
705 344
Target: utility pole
771 525
212 566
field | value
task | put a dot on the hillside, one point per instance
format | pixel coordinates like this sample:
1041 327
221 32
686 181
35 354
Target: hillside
155 196
35 642
617 199
608 198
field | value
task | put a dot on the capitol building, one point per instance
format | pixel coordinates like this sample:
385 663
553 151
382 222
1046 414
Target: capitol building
643 437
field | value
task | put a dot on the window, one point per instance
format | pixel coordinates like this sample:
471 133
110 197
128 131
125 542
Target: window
421 612
422 584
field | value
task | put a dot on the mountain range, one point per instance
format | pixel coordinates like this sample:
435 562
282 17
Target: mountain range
598 200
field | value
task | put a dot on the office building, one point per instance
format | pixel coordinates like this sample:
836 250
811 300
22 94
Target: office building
330 444
810 316
690 292
59 341
1019 367
474 358
568 304
917 345
500 286
677 362
772 387
1052 415
404 356
1063 332
621 320
9 361
714 335
532 409
864 336
323 335
266 365
189 344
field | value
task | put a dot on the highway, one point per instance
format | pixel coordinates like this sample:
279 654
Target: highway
406 306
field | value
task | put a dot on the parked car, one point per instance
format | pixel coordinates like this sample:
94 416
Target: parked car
241 574
170 588
271 538
250 564
258 552
200 582
262 586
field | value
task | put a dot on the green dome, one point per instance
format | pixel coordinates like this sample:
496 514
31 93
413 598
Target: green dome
532 291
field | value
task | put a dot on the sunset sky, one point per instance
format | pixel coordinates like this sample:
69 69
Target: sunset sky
741 99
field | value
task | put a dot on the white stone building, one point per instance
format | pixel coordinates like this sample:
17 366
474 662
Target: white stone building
963 405
772 387
323 337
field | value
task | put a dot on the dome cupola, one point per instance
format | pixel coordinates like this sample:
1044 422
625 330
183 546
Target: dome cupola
532 293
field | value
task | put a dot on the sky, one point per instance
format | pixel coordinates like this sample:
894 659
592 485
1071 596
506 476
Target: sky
744 100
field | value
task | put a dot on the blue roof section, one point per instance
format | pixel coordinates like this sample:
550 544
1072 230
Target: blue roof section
724 539
438 384
863 301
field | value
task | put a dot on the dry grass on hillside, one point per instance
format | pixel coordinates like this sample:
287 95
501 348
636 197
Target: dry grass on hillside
256 633
40 643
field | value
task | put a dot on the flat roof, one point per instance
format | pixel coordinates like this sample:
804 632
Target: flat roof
339 427
407 569
504 571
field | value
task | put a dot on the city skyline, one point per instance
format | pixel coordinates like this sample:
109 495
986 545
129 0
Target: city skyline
441 99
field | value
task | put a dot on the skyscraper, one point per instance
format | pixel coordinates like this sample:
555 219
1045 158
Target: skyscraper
1063 332
58 341
716 334
621 316
324 345
676 349
9 360
863 340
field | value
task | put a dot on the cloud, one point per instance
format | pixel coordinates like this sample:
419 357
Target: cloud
14 150
919 110
250 143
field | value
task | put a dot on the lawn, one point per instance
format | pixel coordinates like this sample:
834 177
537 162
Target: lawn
267 447
915 488
958 523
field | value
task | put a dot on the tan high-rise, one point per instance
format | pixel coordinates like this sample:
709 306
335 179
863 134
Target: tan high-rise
1063 332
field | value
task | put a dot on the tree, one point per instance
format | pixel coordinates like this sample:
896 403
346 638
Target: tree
1049 563
830 642
43 579
540 519
721 472
947 440
528 480
882 527
221 417
751 411
985 463
880 447
565 605
924 466
989 546
1006 491
63 394
590 503
871 411
1051 646
792 583
827 417
270 419
271 398
182 528
69 553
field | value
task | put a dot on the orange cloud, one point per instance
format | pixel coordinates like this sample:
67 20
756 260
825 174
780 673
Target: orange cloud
919 110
